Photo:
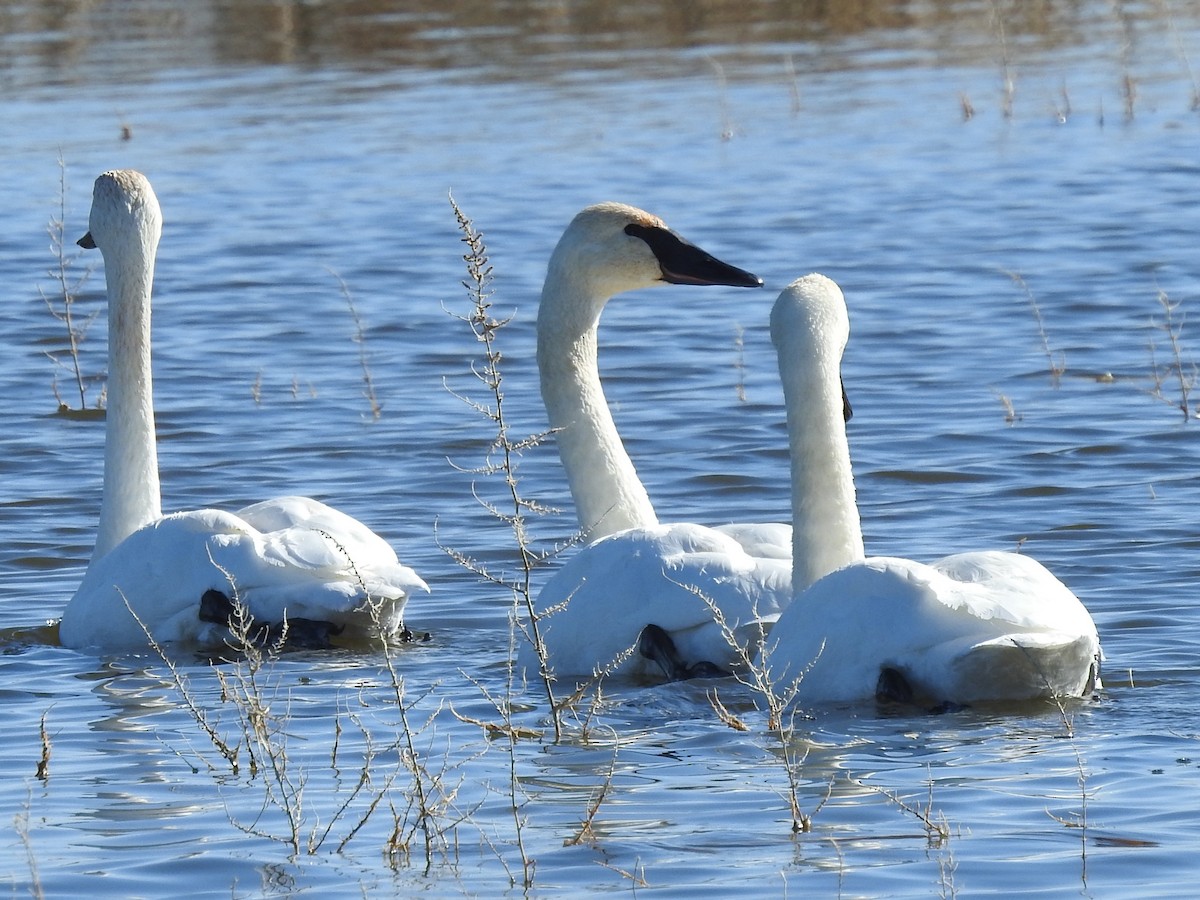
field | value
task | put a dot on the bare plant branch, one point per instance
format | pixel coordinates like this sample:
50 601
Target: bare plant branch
360 338
1185 374
1057 362
43 766
62 305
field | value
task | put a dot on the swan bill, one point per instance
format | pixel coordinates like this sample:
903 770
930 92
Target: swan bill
87 242
682 262
296 633
657 645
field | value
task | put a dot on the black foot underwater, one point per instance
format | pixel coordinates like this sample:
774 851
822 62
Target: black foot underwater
294 634
894 687
655 644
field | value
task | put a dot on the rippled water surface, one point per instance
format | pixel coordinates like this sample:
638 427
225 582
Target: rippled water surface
1007 194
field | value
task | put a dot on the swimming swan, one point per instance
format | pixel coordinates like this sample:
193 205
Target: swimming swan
291 557
972 627
635 571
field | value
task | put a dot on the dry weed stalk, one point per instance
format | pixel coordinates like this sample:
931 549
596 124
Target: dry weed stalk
433 798
1081 819
739 361
262 717
1063 112
754 671
514 797
1180 52
261 725
937 830
789 66
727 127
1172 327
1011 416
432 810
1009 87
586 833
261 709
502 456
727 718
21 827
230 752
967 108
636 878
62 306
360 338
947 866
501 459
514 510
1058 366
43 766
1128 41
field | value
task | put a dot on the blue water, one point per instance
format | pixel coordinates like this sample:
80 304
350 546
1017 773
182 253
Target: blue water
327 150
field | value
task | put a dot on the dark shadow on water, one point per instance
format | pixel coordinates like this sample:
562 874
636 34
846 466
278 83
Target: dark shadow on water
21 638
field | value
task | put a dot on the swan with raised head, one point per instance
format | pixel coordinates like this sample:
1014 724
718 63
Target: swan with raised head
973 627
291 558
636 571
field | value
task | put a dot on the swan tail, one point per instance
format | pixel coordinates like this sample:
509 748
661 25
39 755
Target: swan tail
1028 666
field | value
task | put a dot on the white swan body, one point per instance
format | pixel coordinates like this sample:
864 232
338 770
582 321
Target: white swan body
985 626
288 558
612 589
159 574
632 573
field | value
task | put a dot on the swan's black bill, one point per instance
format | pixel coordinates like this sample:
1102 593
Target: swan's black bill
86 242
656 645
682 262
292 634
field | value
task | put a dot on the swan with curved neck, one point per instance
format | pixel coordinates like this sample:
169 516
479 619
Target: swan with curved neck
985 626
607 249
635 571
291 558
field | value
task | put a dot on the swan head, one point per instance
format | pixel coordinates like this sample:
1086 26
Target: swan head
809 320
610 248
125 213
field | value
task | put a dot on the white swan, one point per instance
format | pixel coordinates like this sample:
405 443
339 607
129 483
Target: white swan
635 572
290 558
972 627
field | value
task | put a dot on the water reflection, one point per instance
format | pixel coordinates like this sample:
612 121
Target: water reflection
541 39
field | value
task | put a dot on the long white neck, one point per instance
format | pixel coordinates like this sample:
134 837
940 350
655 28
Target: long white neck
608 494
131 489
809 337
